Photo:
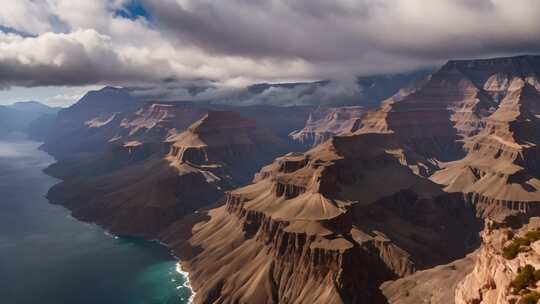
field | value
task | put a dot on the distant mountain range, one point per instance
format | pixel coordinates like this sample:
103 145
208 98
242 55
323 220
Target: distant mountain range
366 91
20 116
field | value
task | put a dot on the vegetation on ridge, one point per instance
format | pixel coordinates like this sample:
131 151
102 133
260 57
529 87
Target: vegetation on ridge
527 278
520 244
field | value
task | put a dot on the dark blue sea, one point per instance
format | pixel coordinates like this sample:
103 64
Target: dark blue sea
48 257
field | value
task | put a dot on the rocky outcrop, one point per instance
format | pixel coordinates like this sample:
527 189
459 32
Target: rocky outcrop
228 144
154 123
436 285
323 123
500 170
315 228
493 278
434 118
364 198
499 176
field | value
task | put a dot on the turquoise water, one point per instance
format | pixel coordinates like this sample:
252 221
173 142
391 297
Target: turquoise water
48 257
162 283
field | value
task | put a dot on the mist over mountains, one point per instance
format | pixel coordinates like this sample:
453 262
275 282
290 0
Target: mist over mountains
19 116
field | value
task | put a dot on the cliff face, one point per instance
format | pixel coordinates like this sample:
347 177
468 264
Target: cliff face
500 170
216 153
315 227
323 123
401 191
436 285
109 121
433 119
226 143
87 125
104 144
495 277
154 123
499 176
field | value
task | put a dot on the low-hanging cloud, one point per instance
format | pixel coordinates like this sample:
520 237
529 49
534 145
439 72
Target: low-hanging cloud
238 42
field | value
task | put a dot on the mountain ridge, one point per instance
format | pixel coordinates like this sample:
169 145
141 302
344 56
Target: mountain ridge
405 187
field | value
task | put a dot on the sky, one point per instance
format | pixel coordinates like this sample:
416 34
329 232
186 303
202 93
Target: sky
55 50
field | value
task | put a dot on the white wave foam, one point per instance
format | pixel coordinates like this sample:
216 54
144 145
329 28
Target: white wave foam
187 284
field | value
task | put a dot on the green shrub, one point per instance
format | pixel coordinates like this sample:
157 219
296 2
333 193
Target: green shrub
525 278
522 241
515 247
533 236
537 275
530 298
511 251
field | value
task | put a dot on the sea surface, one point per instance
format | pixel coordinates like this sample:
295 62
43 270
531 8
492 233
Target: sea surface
48 257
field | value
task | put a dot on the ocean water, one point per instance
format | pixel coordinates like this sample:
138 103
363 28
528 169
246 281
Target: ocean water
48 257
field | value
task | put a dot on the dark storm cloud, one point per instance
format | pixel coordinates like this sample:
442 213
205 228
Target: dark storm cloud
79 58
275 29
354 32
236 42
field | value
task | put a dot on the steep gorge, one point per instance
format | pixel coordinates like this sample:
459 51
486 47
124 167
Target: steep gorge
403 188
363 199
301 232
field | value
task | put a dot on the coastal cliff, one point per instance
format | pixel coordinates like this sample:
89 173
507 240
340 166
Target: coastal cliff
410 202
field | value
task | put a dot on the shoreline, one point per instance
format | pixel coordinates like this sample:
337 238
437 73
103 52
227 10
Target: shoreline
107 232
187 283
178 268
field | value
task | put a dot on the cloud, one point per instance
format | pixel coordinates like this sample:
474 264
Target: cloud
343 91
238 42
364 33
26 16
53 59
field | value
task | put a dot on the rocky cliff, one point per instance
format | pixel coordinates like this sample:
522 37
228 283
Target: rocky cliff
502 274
500 170
218 152
389 210
323 123
330 225
110 119
316 227
499 176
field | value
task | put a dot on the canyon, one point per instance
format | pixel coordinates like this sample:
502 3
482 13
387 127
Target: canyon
412 201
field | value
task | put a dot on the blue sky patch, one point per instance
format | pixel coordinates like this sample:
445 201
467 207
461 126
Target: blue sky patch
10 30
133 9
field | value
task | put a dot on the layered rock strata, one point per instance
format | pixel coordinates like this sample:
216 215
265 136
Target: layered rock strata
316 227
218 152
500 171
323 123
363 199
